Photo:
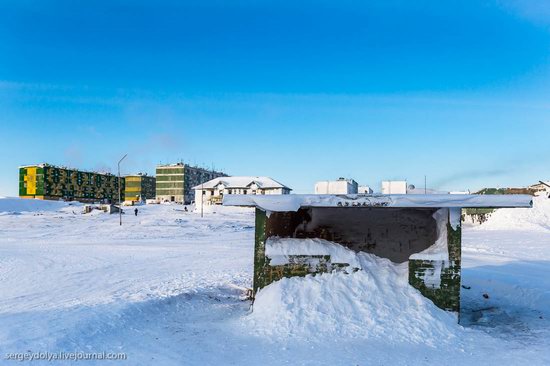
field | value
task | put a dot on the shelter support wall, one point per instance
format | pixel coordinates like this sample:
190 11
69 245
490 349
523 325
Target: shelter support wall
439 280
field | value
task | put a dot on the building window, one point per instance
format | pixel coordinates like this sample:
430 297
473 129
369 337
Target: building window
245 191
230 191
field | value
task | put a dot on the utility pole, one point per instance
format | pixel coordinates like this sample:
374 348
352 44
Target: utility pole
119 195
202 198
425 185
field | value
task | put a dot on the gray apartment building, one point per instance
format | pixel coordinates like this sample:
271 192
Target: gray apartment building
175 182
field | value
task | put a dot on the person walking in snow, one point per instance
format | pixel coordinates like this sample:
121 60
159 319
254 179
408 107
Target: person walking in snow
136 211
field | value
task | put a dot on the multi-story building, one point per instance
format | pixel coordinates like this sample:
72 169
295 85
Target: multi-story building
139 187
175 182
212 192
394 187
340 186
364 190
44 181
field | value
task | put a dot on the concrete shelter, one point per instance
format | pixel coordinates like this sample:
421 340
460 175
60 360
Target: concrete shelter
423 230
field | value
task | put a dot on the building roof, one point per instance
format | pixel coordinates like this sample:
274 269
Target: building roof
347 180
293 202
170 165
241 182
43 165
540 184
140 174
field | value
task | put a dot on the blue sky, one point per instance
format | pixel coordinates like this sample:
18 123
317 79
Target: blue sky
300 91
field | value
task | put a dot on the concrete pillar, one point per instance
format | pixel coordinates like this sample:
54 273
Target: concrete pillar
439 280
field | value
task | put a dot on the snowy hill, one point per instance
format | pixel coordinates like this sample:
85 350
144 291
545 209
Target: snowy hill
536 218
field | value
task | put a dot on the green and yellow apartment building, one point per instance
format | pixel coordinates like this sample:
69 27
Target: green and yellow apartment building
44 181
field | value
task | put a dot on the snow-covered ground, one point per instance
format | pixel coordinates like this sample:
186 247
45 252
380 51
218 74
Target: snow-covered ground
165 289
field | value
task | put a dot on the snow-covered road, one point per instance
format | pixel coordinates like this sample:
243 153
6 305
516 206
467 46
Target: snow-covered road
162 289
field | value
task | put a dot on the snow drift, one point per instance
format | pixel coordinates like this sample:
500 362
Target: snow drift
18 205
375 302
536 218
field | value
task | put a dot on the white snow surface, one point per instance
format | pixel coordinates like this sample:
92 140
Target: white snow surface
279 249
293 202
165 289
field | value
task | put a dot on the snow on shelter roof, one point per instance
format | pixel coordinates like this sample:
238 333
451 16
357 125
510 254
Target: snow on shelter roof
241 182
293 202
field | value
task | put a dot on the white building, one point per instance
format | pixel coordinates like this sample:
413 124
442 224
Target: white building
541 189
340 186
364 190
460 192
394 187
212 192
